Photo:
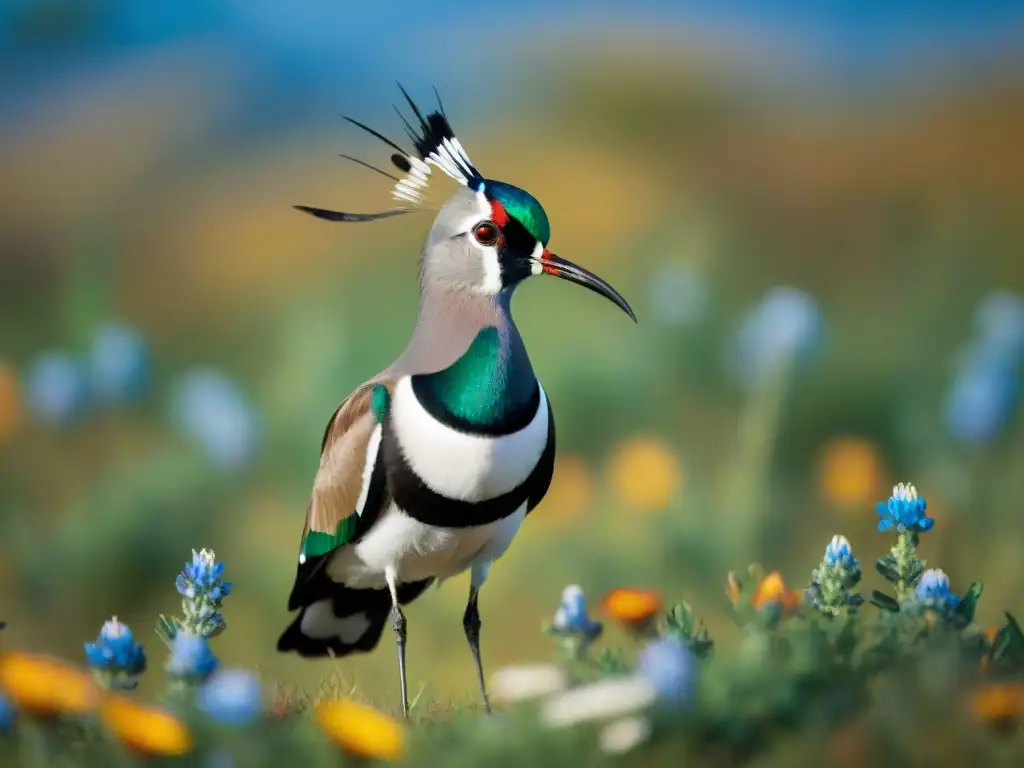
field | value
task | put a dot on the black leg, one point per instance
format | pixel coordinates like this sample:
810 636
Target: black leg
398 627
471 623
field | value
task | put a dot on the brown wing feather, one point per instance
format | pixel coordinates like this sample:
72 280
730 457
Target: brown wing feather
339 480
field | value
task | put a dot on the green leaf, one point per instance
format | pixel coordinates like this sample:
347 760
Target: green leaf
964 613
884 602
887 569
167 629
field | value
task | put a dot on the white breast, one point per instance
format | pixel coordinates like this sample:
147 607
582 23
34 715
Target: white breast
462 466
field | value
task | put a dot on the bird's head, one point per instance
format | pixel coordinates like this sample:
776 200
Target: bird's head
489 236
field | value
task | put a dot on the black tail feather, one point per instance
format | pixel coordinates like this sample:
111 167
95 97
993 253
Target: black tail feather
344 622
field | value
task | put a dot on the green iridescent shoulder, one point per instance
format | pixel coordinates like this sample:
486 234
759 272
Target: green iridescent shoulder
380 402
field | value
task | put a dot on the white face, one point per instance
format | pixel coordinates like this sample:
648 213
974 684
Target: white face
462 249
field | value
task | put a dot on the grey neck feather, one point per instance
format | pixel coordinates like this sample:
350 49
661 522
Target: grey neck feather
449 319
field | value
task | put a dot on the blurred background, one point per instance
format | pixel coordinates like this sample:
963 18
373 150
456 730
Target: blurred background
815 213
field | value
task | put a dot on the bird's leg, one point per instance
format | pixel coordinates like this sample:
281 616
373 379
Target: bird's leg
471 624
398 627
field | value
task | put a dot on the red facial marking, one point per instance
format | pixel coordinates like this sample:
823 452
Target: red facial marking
498 214
546 265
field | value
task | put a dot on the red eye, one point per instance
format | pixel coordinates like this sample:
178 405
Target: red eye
486 233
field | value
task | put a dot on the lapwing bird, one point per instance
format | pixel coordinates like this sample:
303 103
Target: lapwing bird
429 468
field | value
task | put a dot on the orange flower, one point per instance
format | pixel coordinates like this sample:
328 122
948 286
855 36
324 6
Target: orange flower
361 731
850 471
635 608
999 706
144 729
47 686
772 589
11 414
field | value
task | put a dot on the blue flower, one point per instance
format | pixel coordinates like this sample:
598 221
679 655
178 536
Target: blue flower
115 649
210 409
671 667
57 388
571 618
999 319
203 589
191 657
786 325
7 714
231 697
839 554
983 397
904 511
120 364
933 589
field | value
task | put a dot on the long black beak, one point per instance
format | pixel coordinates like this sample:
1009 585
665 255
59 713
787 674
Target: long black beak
565 269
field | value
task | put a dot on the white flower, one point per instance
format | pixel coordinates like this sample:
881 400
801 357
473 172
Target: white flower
623 735
598 701
529 681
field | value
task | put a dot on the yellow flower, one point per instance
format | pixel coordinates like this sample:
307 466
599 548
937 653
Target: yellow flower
11 414
47 686
361 731
645 473
571 492
999 706
772 589
144 729
634 608
850 471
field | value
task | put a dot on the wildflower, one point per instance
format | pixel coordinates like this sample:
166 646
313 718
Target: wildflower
231 696
11 405
116 659
932 591
838 554
57 388
211 410
525 682
119 359
645 473
46 686
634 608
203 590
605 699
983 397
904 511
670 665
144 729
785 326
7 714
623 735
831 582
999 705
849 471
571 616
772 590
191 659
999 319
361 731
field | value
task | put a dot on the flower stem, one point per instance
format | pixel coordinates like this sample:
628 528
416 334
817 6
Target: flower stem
905 554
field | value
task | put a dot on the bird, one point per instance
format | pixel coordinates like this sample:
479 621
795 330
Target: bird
429 468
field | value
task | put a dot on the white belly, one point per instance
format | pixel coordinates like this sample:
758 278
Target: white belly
417 551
